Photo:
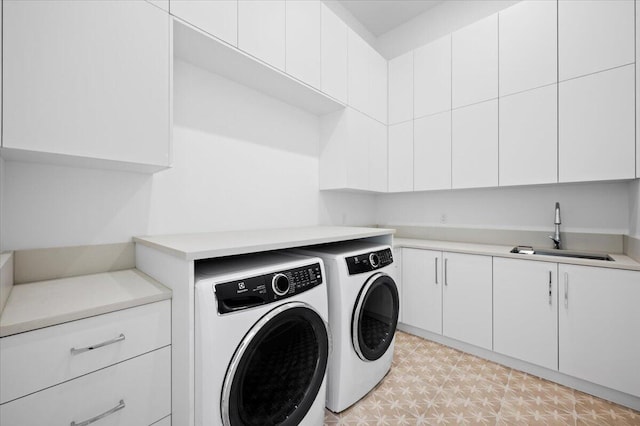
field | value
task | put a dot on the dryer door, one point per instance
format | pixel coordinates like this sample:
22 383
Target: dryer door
276 372
375 317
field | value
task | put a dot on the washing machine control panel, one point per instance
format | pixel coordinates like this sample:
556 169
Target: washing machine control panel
366 262
259 290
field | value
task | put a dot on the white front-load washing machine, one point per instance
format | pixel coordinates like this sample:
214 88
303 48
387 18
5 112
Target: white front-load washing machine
363 314
261 340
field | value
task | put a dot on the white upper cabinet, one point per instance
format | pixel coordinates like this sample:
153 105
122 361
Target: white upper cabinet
474 62
597 126
216 17
401 157
432 77
401 88
376 135
529 137
334 40
81 79
303 41
474 145
525 310
261 30
162 4
367 83
432 152
637 89
528 46
594 35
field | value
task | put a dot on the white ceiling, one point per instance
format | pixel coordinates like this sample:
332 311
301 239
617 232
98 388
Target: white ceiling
380 16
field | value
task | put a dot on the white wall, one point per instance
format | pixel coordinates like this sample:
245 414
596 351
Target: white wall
242 160
585 207
436 22
353 23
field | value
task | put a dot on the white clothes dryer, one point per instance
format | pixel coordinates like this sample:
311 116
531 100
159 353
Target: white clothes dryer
261 340
363 314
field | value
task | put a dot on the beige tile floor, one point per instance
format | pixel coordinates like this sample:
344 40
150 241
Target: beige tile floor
431 384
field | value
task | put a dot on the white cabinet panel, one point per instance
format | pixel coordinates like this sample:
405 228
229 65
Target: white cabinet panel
525 310
162 4
401 88
81 79
466 299
432 152
529 137
474 62
143 384
432 77
528 46
597 126
422 289
216 17
261 30
378 156
401 157
599 321
474 145
637 89
594 35
367 82
334 40
303 41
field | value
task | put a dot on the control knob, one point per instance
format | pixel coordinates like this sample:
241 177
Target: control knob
374 260
280 284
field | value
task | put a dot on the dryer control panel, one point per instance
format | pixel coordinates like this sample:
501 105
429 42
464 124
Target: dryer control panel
369 261
262 289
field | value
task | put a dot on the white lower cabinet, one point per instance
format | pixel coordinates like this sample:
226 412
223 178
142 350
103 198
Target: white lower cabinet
466 298
422 289
525 310
135 392
599 321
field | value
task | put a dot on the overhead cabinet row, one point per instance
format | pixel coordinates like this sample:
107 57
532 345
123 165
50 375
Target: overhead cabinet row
511 120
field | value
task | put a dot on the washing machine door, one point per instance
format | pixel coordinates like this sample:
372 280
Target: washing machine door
375 317
276 372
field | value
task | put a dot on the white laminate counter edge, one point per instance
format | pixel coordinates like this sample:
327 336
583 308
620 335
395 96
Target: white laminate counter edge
229 243
47 303
620 261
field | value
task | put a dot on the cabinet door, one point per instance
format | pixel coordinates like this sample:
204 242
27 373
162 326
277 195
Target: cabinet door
597 126
529 137
599 321
261 30
334 40
401 88
637 89
378 156
528 46
432 152
432 77
525 310
401 157
466 299
303 41
422 289
216 17
474 145
474 62
367 83
103 96
357 142
594 35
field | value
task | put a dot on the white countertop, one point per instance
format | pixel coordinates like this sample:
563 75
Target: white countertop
620 260
228 243
45 303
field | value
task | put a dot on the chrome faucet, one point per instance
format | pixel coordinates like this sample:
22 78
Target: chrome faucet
556 235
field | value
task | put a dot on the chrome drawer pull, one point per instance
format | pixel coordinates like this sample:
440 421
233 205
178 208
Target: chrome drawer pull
118 407
75 351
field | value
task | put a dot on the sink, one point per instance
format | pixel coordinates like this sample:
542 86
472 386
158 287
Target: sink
561 253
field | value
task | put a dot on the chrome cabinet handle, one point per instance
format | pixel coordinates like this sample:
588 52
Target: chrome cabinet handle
566 289
118 407
75 351
436 262
446 275
550 287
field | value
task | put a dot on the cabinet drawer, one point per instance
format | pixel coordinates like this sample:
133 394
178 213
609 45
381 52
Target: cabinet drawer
41 358
141 384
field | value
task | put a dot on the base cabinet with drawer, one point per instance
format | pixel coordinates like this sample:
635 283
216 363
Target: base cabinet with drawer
115 367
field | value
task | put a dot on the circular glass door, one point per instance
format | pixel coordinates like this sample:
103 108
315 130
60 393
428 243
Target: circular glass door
375 317
276 372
